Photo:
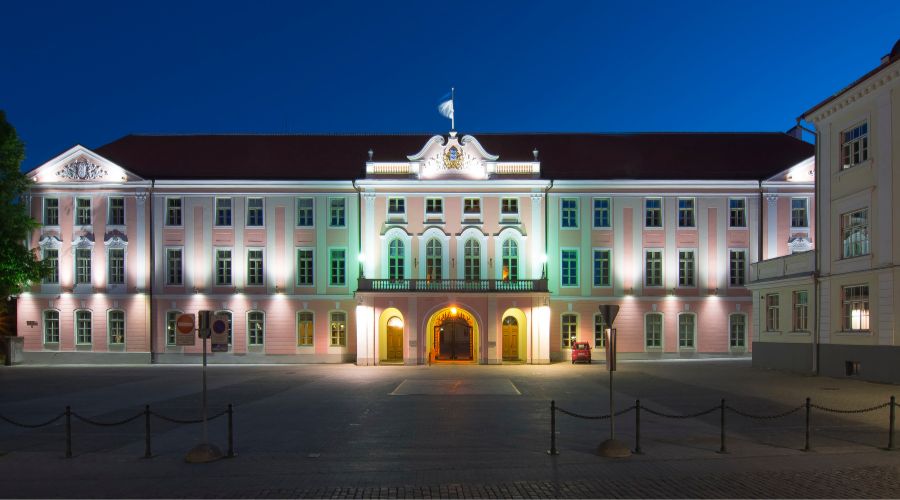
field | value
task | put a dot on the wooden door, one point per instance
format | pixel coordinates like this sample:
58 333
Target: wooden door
395 340
510 338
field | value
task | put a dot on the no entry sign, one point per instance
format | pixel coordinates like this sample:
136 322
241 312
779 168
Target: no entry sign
184 330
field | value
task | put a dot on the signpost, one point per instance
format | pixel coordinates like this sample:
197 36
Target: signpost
611 447
219 335
184 330
204 452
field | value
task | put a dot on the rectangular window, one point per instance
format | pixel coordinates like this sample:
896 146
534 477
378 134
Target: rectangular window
686 330
599 332
174 271
772 312
653 273
602 215
396 206
338 329
434 207
305 267
471 207
337 208
51 211
51 327
602 268
116 212
801 311
223 267
82 327
116 266
255 275
304 328
83 211
51 259
855 302
855 233
509 206
115 327
305 212
798 212
855 145
223 212
737 267
173 211
255 212
569 330
568 212
653 212
338 266
256 328
737 212
687 268
569 267
686 212
738 331
171 318
82 266
653 330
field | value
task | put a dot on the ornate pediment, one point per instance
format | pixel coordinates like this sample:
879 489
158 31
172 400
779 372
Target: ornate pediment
83 241
799 244
115 239
81 170
50 241
81 165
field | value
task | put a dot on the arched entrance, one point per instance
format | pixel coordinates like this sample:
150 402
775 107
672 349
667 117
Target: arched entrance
391 326
395 339
453 336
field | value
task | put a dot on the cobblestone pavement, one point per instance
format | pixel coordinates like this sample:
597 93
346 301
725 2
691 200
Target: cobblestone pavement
453 432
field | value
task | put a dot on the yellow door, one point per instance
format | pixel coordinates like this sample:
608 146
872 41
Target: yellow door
395 339
510 338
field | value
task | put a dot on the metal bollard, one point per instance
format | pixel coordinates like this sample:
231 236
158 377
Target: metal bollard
552 450
891 426
230 432
147 452
806 447
637 427
722 426
68 432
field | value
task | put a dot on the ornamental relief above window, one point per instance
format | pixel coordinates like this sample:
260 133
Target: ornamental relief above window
82 170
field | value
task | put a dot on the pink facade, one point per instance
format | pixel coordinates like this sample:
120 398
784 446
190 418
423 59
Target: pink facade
445 255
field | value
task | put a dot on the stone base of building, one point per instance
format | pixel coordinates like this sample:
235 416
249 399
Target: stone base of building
227 358
873 363
796 358
600 356
86 358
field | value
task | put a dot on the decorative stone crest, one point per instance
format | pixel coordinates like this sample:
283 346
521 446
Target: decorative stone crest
83 241
82 170
799 244
115 239
50 241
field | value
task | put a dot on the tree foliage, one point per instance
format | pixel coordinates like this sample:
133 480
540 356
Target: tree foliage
19 265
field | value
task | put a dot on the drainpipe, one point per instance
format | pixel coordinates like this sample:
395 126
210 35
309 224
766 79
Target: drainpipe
544 264
151 274
818 264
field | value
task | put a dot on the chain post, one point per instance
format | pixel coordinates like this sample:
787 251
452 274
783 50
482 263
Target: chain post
552 450
68 432
806 447
230 432
147 452
722 426
891 427
637 427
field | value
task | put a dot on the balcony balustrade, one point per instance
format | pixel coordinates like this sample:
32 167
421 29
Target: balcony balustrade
459 286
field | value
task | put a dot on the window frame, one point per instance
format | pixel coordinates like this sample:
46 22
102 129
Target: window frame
509 208
862 138
44 329
773 312
337 206
249 221
222 211
109 267
171 215
597 221
599 341
684 272
257 342
731 333
469 214
742 269
169 269
396 207
799 311
109 211
689 213
848 229
865 318
262 267
794 219
109 327
597 281
568 215
79 334
693 332
311 209
312 328
81 268
52 277
660 337
340 336
396 260
171 320
45 211
311 282
662 260
331 267
741 213
571 280
431 212
658 211
564 335
216 260
513 260
80 212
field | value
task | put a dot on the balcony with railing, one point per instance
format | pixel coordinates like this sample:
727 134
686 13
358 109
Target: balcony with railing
456 286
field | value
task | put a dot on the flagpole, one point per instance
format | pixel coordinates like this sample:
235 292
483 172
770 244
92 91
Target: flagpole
452 110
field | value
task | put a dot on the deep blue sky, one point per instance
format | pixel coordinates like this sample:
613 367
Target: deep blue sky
90 72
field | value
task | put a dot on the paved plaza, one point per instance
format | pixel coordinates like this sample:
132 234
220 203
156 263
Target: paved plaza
445 431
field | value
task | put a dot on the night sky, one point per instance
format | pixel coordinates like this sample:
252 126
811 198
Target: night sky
90 72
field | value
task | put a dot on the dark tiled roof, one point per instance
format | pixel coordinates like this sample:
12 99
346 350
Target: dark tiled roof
563 156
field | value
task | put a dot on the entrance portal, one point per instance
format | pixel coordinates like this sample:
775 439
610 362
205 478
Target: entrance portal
510 339
395 339
453 336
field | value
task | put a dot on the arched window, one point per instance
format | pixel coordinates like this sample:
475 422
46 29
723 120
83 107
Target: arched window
256 328
305 328
115 327
82 327
472 260
510 260
396 266
433 260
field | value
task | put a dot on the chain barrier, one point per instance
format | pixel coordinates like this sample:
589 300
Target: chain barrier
146 413
862 410
33 426
692 415
594 417
765 417
107 424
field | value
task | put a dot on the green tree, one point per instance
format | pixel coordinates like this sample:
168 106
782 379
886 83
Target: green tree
19 265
